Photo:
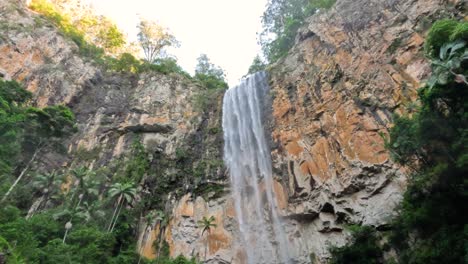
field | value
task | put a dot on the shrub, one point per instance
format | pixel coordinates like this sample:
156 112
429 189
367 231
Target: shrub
442 32
431 225
362 249
433 141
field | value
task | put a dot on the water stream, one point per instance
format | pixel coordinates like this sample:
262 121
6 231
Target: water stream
247 157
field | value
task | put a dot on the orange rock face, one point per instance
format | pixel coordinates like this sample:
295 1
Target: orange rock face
333 97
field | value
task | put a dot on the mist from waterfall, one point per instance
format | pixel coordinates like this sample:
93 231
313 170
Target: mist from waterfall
247 157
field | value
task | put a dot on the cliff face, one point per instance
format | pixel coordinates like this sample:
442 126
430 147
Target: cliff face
332 96
183 142
333 99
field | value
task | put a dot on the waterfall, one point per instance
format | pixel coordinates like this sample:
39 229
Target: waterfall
247 157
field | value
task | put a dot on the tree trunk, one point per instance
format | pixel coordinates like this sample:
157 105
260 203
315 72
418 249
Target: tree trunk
117 217
35 207
79 201
65 236
23 172
161 234
115 211
206 247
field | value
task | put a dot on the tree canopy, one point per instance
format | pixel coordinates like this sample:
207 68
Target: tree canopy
431 141
281 20
153 39
210 75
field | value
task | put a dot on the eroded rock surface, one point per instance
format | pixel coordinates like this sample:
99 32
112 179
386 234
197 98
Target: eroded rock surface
333 99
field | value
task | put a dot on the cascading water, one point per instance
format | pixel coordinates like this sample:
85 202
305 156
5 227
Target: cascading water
248 160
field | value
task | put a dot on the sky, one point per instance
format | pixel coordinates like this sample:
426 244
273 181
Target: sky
225 30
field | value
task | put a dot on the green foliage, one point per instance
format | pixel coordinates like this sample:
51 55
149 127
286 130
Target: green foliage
213 189
433 140
136 165
154 38
93 34
206 99
39 238
211 82
281 20
164 66
9 254
448 67
24 130
179 260
110 38
12 115
214 130
209 75
394 46
65 26
206 224
322 4
125 63
442 32
362 249
257 65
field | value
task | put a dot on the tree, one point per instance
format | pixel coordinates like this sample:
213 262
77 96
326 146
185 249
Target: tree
281 20
432 141
90 210
204 66
163 220
12 114
208 74
47 184
153 39
33 129
257 65
125 192
95 29
110 38
206 224
85 186
68 226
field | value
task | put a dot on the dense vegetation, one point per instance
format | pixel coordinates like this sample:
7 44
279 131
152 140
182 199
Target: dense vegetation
282 19
212 79
112 52
75 215
78 215
100 40
433 142
25 131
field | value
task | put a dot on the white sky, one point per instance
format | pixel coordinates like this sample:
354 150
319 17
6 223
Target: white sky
226 30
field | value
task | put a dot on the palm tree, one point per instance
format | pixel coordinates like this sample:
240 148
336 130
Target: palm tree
125 192
68 226
206 224
23 172
151 219
70 214
163 220
90 210
86 186
79 173
48 185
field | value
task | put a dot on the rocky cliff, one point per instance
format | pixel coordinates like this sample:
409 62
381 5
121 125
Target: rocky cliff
182 140
332 100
